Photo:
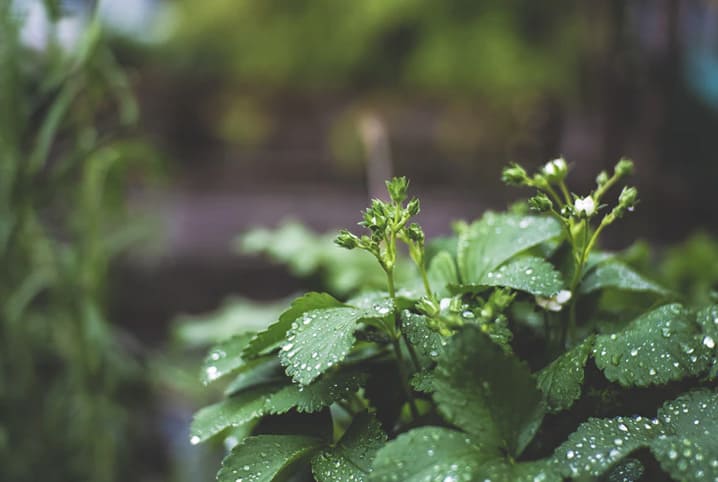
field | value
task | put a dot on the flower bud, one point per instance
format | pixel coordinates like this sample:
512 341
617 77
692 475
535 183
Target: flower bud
413 207
585 207
624 168
540 203
514 175
415 233
555 302
602 178
427 306
628 197
397 188
347 240
555 170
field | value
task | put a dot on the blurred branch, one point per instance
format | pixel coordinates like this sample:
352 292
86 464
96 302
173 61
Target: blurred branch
373 134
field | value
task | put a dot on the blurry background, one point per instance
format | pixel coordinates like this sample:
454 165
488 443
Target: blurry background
244 114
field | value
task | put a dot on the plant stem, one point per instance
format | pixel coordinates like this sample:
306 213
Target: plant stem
551 192
425 280
404 376
412 352
588 244
564 191
390 284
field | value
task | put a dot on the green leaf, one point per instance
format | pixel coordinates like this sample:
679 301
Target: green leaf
615 274
429 454
495 238
600 443
689 452
502 470
224 358
429 344
434 454
707 318
528 273
257 371
231 412
682 438
423 381
322 338
276 332
272 398
487 392
351 458
561 380
627 470
267 458
442 273
658 347
314 397
236 315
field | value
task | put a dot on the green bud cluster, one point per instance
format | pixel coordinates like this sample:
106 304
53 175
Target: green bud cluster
540 203
386 223
573 211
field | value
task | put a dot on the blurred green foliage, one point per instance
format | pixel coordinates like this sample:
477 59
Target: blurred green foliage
306 253
67 383
691 268
500 48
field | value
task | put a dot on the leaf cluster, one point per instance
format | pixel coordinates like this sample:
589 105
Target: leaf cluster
519 351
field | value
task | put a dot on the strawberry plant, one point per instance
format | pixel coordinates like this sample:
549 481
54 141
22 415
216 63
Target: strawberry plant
518 350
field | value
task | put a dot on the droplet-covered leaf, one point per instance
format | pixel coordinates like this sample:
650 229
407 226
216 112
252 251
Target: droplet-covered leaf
615 274
267 458
320 339
495 238
224 358
488 393
428 343
276 332
528 273
314 397
231 412
627 470
707 318
429 454
600 443
689 450
502 470
434 454
561 380
423 381
351 458
658 347
273 398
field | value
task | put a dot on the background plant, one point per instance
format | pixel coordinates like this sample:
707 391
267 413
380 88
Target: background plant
68 385
518 351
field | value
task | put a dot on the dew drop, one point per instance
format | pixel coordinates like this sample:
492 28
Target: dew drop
212 372
194 440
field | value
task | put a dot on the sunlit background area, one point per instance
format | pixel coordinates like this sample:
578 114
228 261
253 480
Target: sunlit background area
173 170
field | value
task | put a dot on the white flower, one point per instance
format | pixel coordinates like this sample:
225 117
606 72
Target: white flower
556 168
585 207
554 303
